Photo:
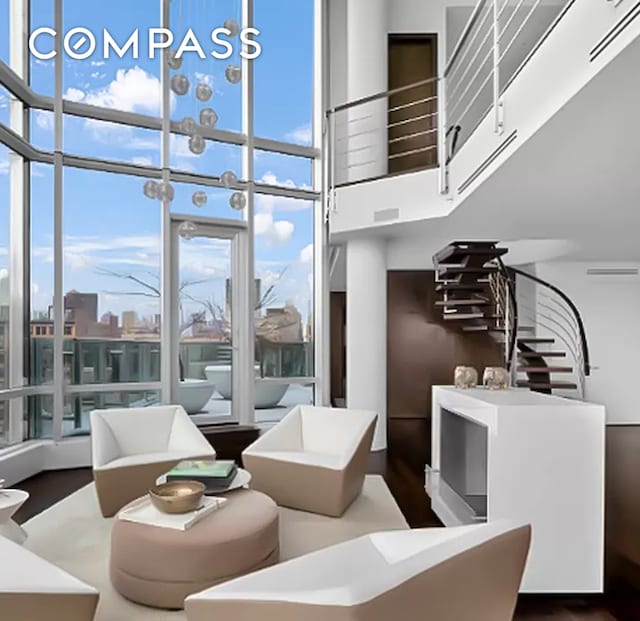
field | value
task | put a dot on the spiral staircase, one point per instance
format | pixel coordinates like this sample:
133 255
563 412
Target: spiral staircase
545 345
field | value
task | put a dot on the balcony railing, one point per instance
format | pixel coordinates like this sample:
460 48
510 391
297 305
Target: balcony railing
498 40
387 133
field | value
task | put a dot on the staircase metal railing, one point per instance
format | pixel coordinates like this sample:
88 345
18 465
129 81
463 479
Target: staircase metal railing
506 311
550 313
497 41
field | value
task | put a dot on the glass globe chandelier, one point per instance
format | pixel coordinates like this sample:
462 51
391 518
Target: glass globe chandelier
187 230
228 178
208 117
199 198
203 92
232 26
233 74
150 189
180 84
238 201
188 125
173 62
166 192
197 144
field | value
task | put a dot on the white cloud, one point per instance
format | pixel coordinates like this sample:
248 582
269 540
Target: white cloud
4 101
44 119
301 135
142 160
4 167
97 63
270 204
306 255
133 90
276 232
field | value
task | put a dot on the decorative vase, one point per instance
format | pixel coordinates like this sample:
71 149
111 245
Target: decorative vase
465 377
496 378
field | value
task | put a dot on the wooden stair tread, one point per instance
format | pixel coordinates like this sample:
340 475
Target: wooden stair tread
458 302
456 286
532 369
532 340
458 269
546 385
542 354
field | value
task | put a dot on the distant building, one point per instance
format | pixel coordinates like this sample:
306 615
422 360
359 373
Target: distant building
129 321
281 325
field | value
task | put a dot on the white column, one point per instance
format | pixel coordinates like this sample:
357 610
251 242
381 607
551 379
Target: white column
366 331
367 74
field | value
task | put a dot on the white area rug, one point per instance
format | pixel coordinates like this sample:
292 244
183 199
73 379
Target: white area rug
73 535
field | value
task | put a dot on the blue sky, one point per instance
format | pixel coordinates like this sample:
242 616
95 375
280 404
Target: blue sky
108 222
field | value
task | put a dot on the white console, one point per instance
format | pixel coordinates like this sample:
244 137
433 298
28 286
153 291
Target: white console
532 458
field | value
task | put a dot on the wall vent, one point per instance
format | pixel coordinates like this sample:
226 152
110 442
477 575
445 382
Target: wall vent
383 215
615 32
613 271
478 171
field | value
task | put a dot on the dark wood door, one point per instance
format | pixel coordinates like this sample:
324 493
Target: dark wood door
413 120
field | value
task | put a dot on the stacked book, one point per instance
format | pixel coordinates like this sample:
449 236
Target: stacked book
215 474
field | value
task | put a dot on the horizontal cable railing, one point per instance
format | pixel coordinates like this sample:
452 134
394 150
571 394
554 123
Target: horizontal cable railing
497 41
387 133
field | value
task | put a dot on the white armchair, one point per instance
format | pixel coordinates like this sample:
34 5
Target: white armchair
32 589
131 448
467 573
314 460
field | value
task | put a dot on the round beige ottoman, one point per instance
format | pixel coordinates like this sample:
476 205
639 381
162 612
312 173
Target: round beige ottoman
160 567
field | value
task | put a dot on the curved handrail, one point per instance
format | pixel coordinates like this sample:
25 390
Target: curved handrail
570 304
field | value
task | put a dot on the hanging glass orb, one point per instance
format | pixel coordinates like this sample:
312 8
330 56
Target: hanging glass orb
173 62
233 73
151 189
166 192
188 125
228 178
197 144
232 26
199 198
208 117
238 201
187 230
203 92
180 84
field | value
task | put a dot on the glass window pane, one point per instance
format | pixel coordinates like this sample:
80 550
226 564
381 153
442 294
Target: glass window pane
4 106
217 157
78 407
4 31
284 268
283 170
216 91
111 277
111 141
42 71
42 329
189 199
129 84
42 129
295 394
5 197
284 70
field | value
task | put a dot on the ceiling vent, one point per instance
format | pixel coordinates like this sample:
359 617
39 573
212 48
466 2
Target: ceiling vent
384 215
613 271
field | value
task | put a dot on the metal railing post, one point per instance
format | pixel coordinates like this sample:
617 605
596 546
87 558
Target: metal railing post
497 104
443 156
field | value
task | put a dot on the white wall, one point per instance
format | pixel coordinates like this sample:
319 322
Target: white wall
609 308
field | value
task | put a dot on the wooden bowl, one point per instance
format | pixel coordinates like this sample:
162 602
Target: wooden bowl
177 496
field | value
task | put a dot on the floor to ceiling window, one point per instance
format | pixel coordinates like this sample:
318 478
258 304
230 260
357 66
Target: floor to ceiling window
103 159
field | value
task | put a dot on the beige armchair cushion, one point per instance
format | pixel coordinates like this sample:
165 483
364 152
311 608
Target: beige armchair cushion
132 447
314 460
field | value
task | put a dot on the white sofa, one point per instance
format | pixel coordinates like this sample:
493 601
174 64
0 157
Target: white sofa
314 460
468 573
131 448
32 589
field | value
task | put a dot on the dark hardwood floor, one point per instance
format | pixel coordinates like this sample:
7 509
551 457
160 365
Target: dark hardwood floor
406 482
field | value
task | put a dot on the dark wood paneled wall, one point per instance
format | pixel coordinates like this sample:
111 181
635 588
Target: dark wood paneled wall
338 314
423 351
